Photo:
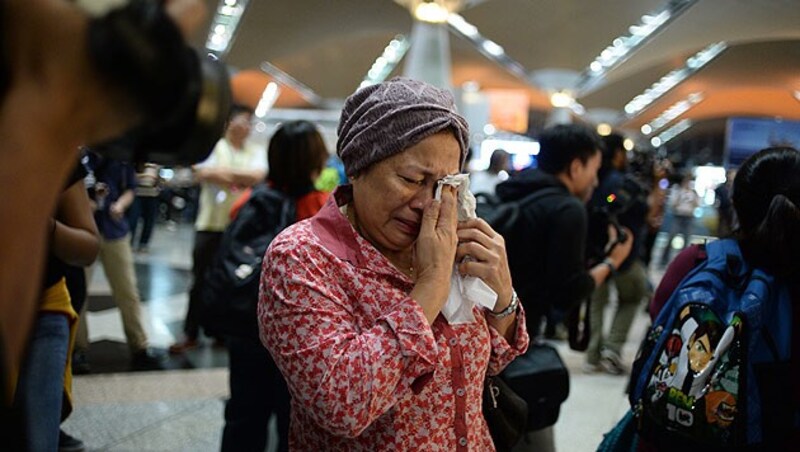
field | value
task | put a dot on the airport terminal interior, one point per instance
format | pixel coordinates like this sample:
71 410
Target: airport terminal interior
693 86
181 407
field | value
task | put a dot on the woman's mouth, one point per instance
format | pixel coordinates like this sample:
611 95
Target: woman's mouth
408 227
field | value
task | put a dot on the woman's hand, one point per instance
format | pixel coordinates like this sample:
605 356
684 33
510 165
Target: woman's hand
488 261
434 254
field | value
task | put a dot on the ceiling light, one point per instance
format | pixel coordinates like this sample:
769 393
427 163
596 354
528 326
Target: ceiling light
387 61
224 25
287 80
672 79
268 98
655 141
674 131
487 47
646 129
493 48
676 110
217 40
623 46
604 129
561 99
471 86
460 24
628 144
431 12
489 129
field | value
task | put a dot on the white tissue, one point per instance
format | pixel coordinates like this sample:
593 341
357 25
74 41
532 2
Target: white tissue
465 291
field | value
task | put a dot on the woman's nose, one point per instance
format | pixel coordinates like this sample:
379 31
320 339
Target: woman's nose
422 197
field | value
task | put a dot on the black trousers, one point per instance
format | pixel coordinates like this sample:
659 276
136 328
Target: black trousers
257 391
206 244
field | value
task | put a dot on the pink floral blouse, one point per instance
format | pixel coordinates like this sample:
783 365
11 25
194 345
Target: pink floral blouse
365 370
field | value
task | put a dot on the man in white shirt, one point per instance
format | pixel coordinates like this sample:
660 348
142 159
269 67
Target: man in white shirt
233 166
485 181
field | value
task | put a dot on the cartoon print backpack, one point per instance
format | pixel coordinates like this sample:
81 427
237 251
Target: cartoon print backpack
714 368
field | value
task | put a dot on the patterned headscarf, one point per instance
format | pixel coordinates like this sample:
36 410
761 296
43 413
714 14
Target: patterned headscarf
382 120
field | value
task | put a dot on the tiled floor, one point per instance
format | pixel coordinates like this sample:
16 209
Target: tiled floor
182 408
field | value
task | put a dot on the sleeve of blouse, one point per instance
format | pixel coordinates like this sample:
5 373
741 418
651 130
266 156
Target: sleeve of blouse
503 352
344 376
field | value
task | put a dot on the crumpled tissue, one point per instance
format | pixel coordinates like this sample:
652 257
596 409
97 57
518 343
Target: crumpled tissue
465 291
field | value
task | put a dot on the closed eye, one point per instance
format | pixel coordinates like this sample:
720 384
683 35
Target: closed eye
412 181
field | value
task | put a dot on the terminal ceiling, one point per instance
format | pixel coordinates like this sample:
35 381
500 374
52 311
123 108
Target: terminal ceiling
329 45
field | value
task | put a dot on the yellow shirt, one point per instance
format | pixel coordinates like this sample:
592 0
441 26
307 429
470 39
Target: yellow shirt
216 201
55 299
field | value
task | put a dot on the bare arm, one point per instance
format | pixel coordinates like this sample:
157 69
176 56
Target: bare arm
75 238
117 210
55 103
617 255
229 176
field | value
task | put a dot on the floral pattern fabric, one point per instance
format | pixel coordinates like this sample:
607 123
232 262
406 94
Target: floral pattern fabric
365 370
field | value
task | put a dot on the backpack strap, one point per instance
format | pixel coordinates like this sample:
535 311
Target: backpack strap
726 254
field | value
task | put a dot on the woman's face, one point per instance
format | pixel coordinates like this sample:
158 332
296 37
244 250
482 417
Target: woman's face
390 196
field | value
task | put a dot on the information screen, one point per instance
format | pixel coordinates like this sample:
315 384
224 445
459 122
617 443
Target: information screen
747 136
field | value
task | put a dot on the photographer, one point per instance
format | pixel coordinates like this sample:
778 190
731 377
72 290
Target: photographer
547 245
619 201
63 84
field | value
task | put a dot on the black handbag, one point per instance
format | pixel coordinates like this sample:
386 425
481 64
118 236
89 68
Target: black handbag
505 412
540 378
527 396
230 289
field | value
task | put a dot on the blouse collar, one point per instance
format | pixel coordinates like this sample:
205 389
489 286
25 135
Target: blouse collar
338 236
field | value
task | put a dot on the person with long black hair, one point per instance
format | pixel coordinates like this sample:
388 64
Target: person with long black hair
296 157
766 198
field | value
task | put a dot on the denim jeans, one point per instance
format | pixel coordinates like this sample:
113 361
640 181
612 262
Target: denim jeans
40 389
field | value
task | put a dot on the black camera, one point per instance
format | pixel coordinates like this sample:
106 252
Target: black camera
629 199
183 97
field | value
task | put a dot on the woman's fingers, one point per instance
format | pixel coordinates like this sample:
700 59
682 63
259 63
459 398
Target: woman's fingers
430 217
486 250
476 235
482 270
480 224
476 251
448 215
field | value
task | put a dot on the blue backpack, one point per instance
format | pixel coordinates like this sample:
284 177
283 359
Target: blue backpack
714 368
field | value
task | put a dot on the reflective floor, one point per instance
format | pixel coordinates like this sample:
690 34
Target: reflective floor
181 408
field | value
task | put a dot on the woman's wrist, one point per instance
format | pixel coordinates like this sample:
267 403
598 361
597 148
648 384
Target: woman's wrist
431 298
507 310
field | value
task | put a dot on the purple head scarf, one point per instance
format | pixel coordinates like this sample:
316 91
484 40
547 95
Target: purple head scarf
382 120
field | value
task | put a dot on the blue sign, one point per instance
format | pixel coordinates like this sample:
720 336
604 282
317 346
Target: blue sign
746 136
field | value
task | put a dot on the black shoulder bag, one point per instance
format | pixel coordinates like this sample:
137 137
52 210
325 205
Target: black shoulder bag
230 288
